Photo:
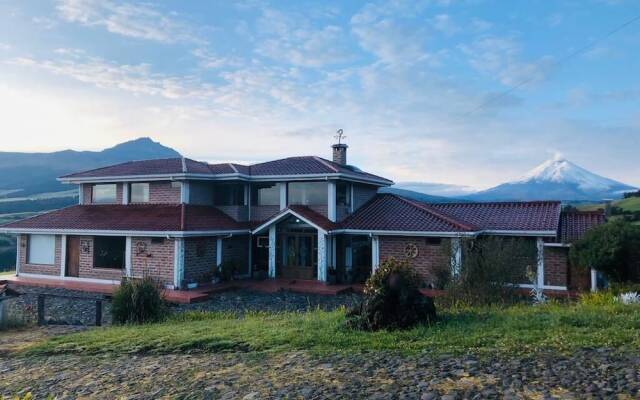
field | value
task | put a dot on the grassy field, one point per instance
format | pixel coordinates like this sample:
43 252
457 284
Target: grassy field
631 204
515 330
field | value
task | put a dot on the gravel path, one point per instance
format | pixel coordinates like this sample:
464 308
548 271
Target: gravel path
588 374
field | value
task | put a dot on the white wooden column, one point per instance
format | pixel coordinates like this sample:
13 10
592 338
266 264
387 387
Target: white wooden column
81 193
322 257
331 201
456 256
178 262
184 192
125 193
594 280
127 257
219 251
283 195
63 255
18 247
272 251
540 276
375 253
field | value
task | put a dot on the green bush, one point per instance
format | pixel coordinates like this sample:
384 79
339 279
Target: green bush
602 298
392 300
137 301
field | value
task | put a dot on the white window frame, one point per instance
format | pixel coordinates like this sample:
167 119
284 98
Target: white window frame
46 256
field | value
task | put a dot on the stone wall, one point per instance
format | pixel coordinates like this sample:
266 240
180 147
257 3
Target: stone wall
432 256
39 269
199 258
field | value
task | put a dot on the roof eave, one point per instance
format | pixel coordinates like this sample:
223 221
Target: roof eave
120 232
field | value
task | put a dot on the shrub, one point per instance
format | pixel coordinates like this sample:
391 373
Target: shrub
392 300
628 298
137 301
612 249
602 298
491 265
226 270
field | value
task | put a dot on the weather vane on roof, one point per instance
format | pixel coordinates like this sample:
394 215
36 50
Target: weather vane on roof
340 135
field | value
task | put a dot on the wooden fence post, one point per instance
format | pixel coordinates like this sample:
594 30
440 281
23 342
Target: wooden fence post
98 312
41 309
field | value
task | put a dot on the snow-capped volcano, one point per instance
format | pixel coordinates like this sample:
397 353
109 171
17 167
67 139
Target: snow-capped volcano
556 179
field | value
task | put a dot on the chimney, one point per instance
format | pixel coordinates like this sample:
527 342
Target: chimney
340 153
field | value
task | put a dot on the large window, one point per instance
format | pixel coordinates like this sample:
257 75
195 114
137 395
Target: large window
228 195
104 193
343 194
265 194
139 193
41 249
108 252
308 193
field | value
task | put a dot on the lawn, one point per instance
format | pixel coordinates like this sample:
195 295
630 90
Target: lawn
519 329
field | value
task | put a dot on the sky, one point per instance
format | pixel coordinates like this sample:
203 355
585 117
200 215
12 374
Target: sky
468 92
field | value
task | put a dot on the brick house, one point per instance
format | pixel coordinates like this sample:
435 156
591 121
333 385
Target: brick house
298 218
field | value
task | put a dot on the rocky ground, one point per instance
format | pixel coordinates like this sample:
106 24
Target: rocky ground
593 374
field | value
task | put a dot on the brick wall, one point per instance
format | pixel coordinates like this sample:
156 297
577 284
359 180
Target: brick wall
430 256
199 258
362 194
40 269
86 264
236 249
153 258
163 193
556 266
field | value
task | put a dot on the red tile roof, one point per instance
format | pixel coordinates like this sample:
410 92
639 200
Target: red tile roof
573 225
388 212
506 216
287 166
133 217
310 215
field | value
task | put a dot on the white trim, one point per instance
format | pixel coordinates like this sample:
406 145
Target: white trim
71 278
331 201
18 246
223 177
562 245
125 193
178 262
184 192
281 216
402 233
247 194
218 251
518 233
127 257
540 262
283 195
375 253
546 287
272 251
89 232
63 255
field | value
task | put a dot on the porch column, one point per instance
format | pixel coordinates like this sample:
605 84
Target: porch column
63 254
218 251
178 262
184 192
594 280
283 195
127 257
272 251
18 246
125 193
540 276
375 253
322 257
456 256
331 201
334 249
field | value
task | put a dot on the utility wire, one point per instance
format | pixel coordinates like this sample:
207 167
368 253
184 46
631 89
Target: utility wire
556 64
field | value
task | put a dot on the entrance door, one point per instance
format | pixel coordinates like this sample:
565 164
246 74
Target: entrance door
300 257
73 256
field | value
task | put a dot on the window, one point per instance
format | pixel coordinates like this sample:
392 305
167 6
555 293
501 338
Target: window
308 193
267 194
228 195
139 193
108 252
41 249
343 194
105 193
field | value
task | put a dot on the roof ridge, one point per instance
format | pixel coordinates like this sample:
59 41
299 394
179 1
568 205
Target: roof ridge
184 165
468 203
233 167
326 163
438 214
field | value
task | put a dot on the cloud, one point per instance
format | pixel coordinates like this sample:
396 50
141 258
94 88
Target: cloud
501 58
5 46
141 20
444 23
208 60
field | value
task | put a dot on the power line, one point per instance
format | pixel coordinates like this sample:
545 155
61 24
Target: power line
555 64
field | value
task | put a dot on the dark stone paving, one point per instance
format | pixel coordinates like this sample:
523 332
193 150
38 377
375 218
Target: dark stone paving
593 374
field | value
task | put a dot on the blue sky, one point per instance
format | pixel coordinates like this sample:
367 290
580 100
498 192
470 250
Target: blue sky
410 82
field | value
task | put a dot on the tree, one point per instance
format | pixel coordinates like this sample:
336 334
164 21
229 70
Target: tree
613 249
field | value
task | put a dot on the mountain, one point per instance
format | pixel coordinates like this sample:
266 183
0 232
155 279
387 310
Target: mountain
27 174
435 189
423 197
556 179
